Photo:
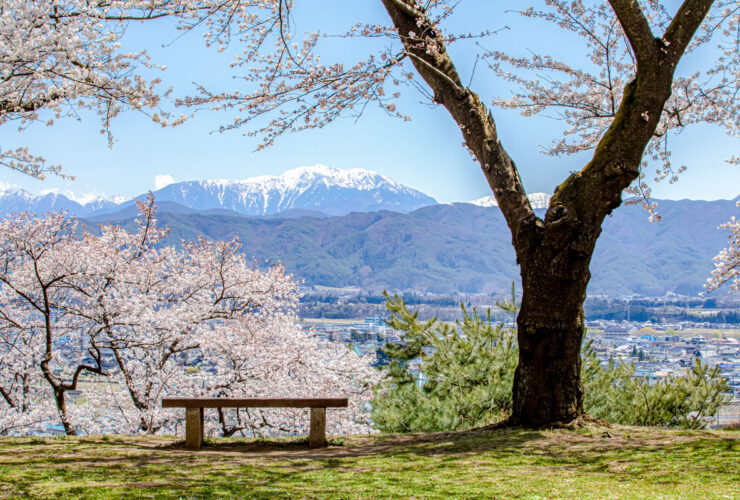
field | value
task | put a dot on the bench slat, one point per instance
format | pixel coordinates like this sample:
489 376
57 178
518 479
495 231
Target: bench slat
254 402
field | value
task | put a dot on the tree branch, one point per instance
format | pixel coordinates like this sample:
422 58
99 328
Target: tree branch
685 23
427 51
7 397
636 27
595 191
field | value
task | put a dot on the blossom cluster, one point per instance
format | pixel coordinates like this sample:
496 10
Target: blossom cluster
97 327
586 97
61 57
285 86
727 262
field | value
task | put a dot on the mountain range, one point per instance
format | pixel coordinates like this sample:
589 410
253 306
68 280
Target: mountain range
20 200
316 190
356 227
464 247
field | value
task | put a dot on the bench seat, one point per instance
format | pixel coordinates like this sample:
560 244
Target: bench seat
194 413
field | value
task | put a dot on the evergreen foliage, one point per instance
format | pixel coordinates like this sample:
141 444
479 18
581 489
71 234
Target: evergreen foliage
459 376
465 373
687 401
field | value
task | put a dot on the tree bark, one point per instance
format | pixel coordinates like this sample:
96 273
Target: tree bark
550 329
59 393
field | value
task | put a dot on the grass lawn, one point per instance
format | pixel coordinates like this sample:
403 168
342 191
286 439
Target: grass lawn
593 462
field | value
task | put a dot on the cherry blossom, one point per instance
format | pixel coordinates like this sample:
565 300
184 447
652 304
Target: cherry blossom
60 57
622 102
26 404
727 262
587 97
97 326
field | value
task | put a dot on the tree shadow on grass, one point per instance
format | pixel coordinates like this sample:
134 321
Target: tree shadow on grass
163 467
571 445
429 444
568 445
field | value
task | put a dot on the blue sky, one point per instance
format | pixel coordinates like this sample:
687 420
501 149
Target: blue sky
425 153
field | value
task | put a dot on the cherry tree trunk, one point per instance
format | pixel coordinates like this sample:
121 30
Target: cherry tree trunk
550 329
554 253
60 400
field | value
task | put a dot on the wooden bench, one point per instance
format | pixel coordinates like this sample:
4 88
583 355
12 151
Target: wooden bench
194 413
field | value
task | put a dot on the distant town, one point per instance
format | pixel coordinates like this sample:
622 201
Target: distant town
672 311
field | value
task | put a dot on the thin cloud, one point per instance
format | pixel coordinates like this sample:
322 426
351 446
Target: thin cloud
163 180
4 186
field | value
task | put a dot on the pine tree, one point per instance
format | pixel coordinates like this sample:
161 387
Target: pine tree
464 378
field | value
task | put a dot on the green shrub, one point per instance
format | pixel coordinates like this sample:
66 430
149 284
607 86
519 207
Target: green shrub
466 371
687 401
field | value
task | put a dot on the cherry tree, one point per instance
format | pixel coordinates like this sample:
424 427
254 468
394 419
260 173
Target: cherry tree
60 58
249 336
622 106
282 366
202 321
36 267
138 320
727 261
118 288
26 400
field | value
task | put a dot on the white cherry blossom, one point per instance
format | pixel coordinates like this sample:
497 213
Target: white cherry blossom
96 327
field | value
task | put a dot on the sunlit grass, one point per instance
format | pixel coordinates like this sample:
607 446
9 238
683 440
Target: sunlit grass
594 462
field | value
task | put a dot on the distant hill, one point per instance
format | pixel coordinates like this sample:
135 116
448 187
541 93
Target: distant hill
465 247
130 210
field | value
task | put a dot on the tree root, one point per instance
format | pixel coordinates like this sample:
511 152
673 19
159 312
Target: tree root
579 423
584 420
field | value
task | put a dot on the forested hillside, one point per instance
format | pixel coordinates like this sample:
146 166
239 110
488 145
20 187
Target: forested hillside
463 247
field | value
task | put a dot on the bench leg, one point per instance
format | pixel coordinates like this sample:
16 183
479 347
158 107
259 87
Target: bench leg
193 428
317 437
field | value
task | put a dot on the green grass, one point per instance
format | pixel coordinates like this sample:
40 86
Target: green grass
594 462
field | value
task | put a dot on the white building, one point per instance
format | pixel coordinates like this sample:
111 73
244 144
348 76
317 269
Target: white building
616 335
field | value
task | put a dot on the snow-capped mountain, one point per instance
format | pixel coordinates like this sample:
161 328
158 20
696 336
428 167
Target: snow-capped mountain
102 204
538 201
320 188
19 200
